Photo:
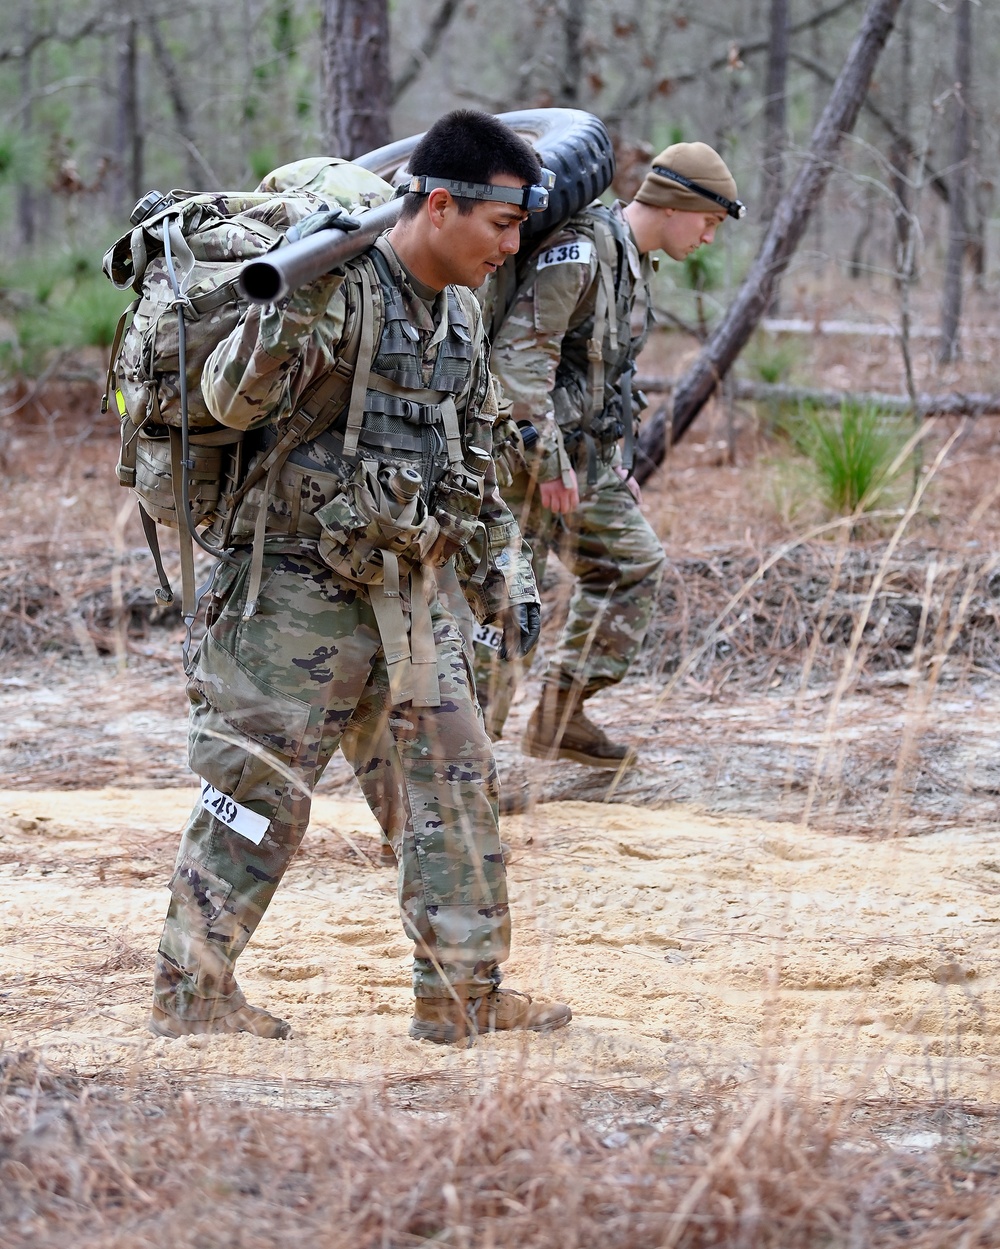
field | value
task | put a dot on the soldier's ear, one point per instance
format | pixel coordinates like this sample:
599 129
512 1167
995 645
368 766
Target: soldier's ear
439 205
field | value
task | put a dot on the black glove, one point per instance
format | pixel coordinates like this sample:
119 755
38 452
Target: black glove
521 626
323 219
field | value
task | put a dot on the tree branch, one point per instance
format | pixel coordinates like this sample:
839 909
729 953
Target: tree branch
436 27
94 25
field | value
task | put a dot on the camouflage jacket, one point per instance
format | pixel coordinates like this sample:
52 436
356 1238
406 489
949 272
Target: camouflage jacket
258 376
541 347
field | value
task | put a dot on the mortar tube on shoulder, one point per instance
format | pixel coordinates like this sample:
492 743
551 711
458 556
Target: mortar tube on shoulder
269 278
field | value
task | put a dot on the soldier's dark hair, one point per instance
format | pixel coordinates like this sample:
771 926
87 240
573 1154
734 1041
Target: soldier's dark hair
470 146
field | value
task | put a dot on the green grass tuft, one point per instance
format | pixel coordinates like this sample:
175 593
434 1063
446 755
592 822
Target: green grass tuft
853 455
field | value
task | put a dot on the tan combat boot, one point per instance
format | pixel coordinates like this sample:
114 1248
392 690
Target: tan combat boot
445 1020
245 1018
558 729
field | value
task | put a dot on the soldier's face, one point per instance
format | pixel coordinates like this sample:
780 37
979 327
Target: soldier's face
684 232
476 244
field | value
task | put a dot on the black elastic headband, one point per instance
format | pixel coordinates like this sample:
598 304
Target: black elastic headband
734 207
530 199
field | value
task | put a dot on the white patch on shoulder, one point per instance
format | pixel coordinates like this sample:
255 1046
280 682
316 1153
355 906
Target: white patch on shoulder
573 251
239 818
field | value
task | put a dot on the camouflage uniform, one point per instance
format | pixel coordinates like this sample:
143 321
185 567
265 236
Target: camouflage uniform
339 632
540 355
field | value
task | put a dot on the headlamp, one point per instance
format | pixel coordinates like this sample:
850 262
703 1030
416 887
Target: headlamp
532 199
734 207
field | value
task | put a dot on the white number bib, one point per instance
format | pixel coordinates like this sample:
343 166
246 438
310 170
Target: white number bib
240 819
488 635
574 251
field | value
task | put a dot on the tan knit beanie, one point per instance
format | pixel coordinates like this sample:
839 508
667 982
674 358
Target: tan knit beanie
698 163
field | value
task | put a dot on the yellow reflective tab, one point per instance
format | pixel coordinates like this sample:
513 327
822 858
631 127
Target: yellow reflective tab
120 400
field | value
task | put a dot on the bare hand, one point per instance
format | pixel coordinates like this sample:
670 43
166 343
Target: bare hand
559 498
631 485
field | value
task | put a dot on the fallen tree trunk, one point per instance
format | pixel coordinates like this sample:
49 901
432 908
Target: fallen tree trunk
782 238
953 404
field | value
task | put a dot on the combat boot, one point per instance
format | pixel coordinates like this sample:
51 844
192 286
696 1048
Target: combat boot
245 1018
444 1020
558 729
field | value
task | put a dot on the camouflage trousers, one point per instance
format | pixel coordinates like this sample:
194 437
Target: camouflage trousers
617 560
272 697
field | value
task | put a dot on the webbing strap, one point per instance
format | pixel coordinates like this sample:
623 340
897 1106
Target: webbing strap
625 387
606 302
411 660
452 434
165 594
116 343
182 253
296 431
362 369
257 550
189 602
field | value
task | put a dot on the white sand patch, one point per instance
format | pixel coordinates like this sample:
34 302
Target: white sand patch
690 948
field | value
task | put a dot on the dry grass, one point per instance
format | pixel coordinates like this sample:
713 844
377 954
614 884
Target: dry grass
518 1162
804 610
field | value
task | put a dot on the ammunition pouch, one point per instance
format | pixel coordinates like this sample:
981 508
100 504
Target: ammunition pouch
365 522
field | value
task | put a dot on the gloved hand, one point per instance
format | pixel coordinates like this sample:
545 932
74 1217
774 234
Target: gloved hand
521 626
323 219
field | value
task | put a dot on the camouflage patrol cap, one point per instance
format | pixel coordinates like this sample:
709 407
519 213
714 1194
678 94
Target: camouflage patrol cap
694 162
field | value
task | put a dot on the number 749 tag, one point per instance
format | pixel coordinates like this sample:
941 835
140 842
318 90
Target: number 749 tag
229 812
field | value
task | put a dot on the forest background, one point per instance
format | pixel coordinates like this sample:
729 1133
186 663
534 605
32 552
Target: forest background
779 938
98 105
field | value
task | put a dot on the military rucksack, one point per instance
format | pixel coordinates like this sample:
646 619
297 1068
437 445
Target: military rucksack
183 258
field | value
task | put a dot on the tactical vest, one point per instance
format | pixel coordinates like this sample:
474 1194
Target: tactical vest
389 482
601 350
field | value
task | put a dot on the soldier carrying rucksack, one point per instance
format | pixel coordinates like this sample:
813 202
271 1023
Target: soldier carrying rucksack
329 614
564 355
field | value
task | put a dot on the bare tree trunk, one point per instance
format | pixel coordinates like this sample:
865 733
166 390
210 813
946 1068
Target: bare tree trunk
25 193
901 154
784 233
182 114
573 64
128 129
856 267
356 82
775 112
979 209
951 308
818 102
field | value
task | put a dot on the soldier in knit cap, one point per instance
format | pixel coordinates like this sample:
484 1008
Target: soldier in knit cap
565 356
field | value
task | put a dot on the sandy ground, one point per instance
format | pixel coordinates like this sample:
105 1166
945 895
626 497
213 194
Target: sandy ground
692 948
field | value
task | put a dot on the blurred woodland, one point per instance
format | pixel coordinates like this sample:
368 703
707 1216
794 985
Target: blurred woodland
99 103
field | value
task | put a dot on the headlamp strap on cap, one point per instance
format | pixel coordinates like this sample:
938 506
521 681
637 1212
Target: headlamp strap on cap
734 207
530 199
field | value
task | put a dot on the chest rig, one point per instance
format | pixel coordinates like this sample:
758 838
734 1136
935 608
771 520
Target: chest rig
385 477
601 350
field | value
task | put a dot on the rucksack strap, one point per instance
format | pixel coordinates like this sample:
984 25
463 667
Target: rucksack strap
607 303
363 361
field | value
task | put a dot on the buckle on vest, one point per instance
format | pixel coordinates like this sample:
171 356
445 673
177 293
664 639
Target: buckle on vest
594 352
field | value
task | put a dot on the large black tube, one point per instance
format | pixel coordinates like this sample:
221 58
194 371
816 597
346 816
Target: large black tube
275 275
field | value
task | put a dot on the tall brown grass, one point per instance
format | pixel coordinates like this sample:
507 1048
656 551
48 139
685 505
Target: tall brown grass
515 1162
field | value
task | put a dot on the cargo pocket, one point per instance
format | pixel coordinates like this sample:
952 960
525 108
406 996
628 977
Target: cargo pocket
199 890
244 735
